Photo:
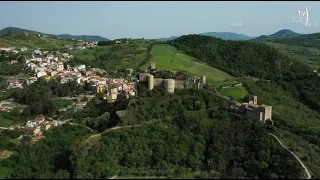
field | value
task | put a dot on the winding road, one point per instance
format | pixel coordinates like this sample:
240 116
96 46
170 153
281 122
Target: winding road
114 128
302 164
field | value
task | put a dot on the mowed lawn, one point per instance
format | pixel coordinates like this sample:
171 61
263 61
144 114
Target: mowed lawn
167 57
238 92
4 172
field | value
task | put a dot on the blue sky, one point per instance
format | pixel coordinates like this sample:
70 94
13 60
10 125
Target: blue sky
157 19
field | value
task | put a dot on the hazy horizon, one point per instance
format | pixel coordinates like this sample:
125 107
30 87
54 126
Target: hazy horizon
157 19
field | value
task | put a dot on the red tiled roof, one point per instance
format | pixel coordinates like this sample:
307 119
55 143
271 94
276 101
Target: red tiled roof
38 118
30 128
118 84
12 80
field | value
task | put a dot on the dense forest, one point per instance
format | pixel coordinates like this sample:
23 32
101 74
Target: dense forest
40 95
6 68
188 132
255 59
295 123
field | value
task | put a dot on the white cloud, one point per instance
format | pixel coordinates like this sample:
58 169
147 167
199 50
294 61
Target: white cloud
237 25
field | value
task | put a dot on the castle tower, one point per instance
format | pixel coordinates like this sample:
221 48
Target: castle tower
255 99
169 85
150 82
203 79
152 65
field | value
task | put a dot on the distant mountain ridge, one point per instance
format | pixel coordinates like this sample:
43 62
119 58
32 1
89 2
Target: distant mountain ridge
221 35
228 36
169 38
284 33
63 36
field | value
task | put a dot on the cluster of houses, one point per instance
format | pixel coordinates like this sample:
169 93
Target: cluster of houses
81 45
50 66
46 66
38 125
13 49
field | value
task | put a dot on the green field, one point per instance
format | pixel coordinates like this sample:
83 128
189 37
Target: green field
63 103
5 122
114 57
237 92
4 172
167 57
89 54
8 118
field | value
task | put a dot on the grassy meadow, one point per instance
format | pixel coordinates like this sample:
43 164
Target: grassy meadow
167 57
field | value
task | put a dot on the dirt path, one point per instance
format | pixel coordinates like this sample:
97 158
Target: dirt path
114 128
302 164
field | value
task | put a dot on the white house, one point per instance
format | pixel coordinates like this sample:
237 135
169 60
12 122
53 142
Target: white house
31 124
80 67
41 74
60 67
14 83
31 80
24 49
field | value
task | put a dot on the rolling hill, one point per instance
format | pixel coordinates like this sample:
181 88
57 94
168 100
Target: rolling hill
32 41
284 33
302 47
62 36
221 35
169 38
228 36
290 87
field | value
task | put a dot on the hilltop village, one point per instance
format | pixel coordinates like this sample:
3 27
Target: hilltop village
48 65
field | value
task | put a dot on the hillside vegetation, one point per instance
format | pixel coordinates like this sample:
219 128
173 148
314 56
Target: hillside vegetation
62 36
240 59
115 57
307 55
305 40
168 58
293 90
228 36
20 40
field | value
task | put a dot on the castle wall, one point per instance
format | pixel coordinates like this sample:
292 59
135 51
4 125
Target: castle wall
143 77
254 114
180 84
158 82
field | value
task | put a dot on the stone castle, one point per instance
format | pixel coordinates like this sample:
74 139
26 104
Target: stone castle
170 84
254 111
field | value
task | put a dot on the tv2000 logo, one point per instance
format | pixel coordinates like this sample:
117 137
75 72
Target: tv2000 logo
302 17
